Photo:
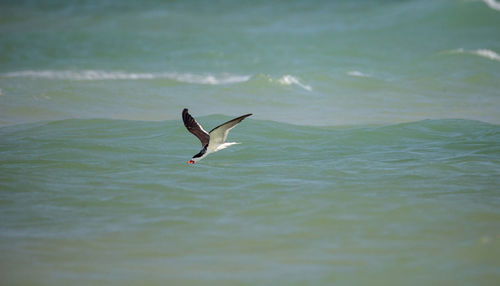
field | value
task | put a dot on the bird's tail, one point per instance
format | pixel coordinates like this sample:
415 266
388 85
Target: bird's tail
225 145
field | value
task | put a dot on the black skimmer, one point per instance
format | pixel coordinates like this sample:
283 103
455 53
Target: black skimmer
212 141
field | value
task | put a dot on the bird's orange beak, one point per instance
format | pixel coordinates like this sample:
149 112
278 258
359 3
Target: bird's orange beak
191 162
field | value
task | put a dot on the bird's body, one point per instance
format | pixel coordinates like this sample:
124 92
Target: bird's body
212 141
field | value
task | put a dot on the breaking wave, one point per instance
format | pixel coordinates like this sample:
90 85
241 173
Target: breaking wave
358 74
291 80
489 54
492 4
118 75
97 75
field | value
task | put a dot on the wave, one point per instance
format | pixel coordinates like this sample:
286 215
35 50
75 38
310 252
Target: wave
290 80
489 54
358 74
97 75
492 4
118 75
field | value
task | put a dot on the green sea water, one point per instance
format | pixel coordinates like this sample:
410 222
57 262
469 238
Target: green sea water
113 202
372 156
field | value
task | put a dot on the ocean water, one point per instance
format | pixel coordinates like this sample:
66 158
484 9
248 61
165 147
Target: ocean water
372 156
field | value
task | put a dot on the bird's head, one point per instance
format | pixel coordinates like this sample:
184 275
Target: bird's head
194 160
199 156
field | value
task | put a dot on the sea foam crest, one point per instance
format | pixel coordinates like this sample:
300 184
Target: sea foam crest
289 80
492 4
489 54
358 74
118 75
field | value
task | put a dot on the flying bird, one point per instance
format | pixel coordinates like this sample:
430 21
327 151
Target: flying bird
212 141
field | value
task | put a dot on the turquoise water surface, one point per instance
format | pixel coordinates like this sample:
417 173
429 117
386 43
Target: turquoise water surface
372 156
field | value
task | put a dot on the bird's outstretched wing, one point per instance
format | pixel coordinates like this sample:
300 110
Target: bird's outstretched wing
195 128
218 135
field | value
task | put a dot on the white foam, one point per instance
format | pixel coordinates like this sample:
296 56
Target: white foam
493 4
358 74
97 75
118 75
206 79
489 54
289 80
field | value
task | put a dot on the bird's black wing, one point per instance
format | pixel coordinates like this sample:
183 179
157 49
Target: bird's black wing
195 128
